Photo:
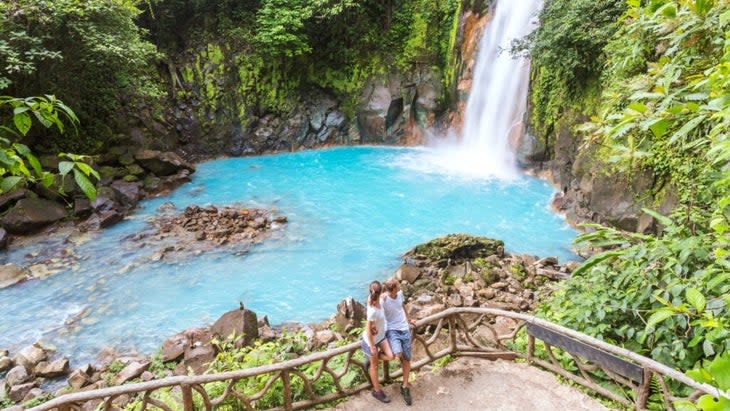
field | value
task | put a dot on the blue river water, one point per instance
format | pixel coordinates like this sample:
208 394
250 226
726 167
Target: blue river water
352 212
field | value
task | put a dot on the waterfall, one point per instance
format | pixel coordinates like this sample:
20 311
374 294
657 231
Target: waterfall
493 118
497 102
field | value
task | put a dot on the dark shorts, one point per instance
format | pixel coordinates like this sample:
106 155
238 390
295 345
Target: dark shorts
366 348
400 342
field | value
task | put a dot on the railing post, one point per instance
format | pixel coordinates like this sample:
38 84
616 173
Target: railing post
530 348
642 392
187 397
287 389
386 371
452 335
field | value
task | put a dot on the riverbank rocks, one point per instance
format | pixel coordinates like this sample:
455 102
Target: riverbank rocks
460 270
350 314
30 356
239 325
31 214
201 229
162 164
57 368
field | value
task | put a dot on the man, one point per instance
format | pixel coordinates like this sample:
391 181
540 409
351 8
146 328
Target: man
398 331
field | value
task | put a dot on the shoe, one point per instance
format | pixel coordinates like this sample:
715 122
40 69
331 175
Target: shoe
406 393
380 396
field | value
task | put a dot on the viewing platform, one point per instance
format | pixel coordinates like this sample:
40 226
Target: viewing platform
517 344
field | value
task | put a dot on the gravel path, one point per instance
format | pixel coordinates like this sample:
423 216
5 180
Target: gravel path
474 384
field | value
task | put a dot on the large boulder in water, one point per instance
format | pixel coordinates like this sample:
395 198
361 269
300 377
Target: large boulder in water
162 163
237 323
31 214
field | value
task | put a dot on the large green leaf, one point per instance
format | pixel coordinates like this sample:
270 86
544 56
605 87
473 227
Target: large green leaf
85 185
22 122
591 262
8 183
64 167
696 299
659 316
686 128
659 127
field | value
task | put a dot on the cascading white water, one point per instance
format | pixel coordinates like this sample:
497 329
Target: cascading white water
497 101
496 105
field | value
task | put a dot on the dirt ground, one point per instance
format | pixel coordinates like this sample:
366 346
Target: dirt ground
474 384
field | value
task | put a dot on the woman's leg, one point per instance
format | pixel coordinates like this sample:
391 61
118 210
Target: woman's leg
374 372
386 352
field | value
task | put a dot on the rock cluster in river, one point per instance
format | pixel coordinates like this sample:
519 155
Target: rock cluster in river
127 175
202 229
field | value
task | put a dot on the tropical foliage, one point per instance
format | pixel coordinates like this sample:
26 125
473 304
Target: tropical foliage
665 109
89 53
19 166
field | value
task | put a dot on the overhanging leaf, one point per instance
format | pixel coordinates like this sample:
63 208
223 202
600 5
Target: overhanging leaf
9 183
686 128
85 185
22 122
659 316
696 299
64 167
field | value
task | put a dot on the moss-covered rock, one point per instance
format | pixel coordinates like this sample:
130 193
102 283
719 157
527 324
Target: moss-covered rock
457 248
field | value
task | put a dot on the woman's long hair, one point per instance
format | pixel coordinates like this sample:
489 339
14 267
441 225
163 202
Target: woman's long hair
374 292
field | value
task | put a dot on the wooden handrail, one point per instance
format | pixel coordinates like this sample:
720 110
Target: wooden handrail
461 340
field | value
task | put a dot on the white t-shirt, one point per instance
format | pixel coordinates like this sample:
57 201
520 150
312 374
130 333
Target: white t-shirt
377 316
395 315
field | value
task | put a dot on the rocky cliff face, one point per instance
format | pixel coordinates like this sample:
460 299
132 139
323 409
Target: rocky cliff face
589 190
212 112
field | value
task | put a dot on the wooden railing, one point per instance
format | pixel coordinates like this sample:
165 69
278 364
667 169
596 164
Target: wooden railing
327 376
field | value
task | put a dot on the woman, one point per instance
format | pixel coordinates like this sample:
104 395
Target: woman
374 337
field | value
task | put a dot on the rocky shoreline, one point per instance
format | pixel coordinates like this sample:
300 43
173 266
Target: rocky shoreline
452 271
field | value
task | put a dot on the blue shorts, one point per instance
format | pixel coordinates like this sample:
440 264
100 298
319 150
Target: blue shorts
400 342
366 348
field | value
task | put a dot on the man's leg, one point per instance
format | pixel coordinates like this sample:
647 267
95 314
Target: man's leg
405 360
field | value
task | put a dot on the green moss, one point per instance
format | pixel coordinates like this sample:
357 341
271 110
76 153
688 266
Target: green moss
458 248
518 271
489 276
447 278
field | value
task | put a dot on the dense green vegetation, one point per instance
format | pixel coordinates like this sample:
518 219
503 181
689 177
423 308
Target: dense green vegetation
90 54
663 106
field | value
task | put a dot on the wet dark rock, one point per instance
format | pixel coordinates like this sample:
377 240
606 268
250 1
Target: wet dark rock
109 218
31 214
128 192
162 163
82 207
9 199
